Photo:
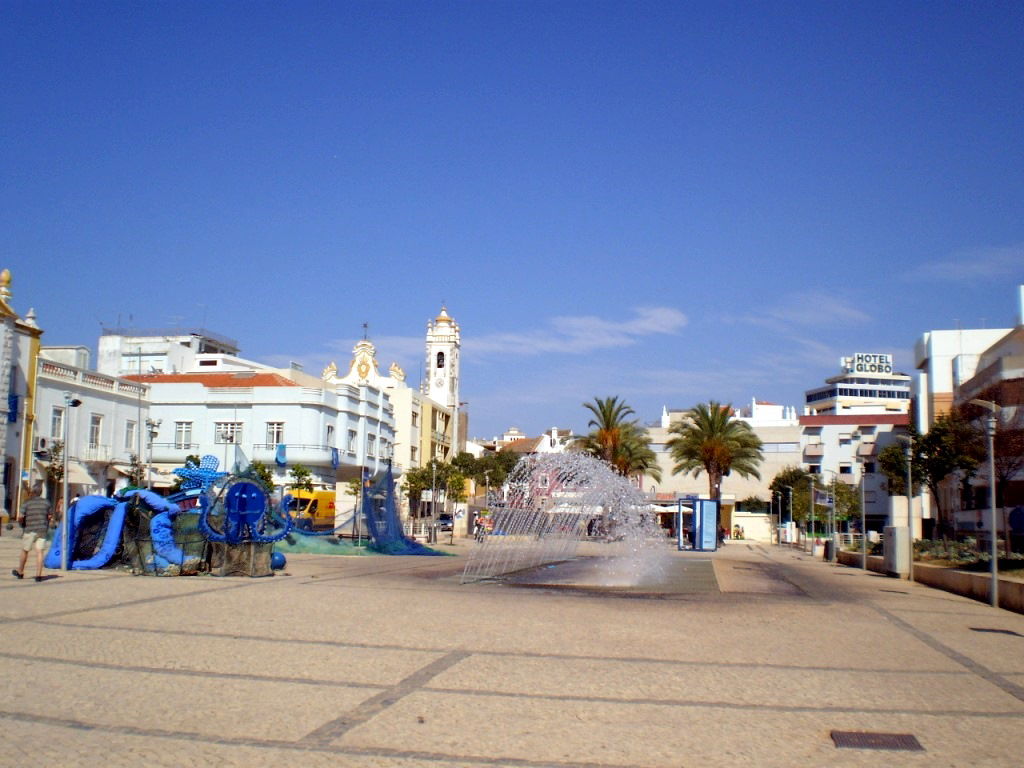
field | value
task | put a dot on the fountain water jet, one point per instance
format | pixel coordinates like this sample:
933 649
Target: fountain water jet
552 503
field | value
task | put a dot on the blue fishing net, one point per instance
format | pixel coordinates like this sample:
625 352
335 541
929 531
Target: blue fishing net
380 514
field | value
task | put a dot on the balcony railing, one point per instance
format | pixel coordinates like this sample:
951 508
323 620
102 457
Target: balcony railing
97 453
89 379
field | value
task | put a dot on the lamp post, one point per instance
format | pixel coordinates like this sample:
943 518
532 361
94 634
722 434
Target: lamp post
433 500
152 430
863 521
789 499
810 512
65 558
908 451
990 424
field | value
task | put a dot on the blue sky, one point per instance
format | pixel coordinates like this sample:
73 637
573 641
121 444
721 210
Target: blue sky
668 202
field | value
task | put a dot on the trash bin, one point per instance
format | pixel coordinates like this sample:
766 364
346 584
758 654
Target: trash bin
828 550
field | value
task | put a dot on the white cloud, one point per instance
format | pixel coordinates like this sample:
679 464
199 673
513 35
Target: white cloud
580 334
817 309
987 263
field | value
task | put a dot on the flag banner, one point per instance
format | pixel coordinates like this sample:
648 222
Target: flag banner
823 498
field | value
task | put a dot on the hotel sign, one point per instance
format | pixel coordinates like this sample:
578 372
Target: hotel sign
867 362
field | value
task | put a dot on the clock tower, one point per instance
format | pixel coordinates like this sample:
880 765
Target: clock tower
441 374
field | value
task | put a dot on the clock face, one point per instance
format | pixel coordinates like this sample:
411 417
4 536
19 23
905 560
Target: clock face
438 382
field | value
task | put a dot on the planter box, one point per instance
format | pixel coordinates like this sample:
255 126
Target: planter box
965 583
973 585
876 563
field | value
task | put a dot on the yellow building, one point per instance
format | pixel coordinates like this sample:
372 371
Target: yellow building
19 351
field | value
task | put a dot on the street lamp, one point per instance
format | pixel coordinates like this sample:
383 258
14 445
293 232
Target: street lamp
832 516
65 558
152 430
908 451
990 424
863 519
789 497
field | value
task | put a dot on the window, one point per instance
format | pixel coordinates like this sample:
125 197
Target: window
845 469
412 455
183 434
371 445
228 432
814 469
415 419
869 467
95 429
275 432
330 435
351 445
57 423
130 435
440 359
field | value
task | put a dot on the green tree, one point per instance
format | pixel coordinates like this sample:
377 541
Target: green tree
262 473
301 478
710 440
753 504
136 472
951 444
617 439
845 499
794 485
55 469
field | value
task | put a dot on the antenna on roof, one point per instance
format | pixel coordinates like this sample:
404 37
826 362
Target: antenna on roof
366 327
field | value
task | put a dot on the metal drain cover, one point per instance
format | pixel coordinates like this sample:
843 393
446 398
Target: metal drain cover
868 740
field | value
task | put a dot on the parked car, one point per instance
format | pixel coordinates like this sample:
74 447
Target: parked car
444 521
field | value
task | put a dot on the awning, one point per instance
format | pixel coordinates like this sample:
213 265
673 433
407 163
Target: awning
77 474
163 475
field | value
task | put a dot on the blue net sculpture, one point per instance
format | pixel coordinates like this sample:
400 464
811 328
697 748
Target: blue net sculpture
380 514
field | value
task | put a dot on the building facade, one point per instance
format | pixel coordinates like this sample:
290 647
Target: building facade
867 384
19 350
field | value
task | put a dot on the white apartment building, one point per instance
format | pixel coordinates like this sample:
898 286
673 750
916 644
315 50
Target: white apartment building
845 447
867 384
945 360
124 352
103 431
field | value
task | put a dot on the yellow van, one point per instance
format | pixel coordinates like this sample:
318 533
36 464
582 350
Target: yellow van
312 510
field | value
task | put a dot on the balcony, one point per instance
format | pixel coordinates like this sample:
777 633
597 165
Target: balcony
172 453
814 450
297 453
100 454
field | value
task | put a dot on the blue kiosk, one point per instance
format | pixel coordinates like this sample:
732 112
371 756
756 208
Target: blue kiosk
705 523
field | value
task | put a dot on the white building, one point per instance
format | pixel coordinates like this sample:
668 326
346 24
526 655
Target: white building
867 384
945 360
123 352
846 446
103 431
779 431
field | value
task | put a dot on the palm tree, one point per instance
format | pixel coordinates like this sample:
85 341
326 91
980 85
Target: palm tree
618 440
710 440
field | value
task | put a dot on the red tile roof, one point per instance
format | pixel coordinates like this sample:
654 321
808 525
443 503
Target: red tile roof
525 445
214 380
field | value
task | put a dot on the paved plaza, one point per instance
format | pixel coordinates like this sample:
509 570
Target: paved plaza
378 661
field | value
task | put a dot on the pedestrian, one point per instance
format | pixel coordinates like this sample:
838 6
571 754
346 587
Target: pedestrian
34 517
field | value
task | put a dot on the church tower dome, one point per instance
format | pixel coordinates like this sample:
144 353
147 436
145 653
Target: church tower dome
441 373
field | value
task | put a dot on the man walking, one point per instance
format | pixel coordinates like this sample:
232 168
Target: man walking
35 521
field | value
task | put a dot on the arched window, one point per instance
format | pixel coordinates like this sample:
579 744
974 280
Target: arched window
440 359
